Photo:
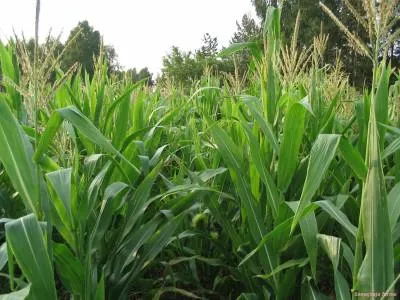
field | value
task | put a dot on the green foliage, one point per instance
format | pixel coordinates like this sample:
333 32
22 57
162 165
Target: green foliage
83 44
185 68
261 7
136 76
268 190
26 242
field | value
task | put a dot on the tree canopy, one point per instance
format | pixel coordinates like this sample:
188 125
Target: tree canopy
313 18
83 44
184 67
135 75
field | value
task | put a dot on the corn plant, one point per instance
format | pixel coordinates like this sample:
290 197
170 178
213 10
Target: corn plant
274 187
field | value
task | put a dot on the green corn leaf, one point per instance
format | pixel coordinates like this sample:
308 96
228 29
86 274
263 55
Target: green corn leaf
210 261
94 190
16 154
230 153
341 287
275 233
348 255
155 159
3 255
329 116
248 296
321 156
101 289
353 158
60 189
301 262
394 205
47 164
60 182
376 272
208 174
322 153
331 245
176 291
224 220
238 47
135 240
390 288
312 294
138 111
9 69
382 103
309 230
392 129
84 125
52 126
254 107
69 269
112 109
17 295
293 131
272 191
393 147
161 239
99 105
25 238
108 207
153 245
122 120
338 215
272 23
136 208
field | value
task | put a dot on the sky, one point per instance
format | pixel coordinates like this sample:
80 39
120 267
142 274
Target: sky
141 31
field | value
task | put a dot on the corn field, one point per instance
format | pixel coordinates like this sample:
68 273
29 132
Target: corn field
287 187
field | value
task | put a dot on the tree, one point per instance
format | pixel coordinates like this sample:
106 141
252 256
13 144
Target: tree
312 16
181 67
136 76
185 67
394 50
112 59
207 56
247 30
262 5
209 48
83 44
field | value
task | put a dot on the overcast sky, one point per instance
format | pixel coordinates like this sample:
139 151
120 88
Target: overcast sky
141 31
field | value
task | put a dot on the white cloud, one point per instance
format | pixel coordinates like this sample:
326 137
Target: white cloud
142 31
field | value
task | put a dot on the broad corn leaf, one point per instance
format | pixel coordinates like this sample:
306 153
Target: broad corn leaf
26 240
230 153
293 132
322 153
16 154
376 272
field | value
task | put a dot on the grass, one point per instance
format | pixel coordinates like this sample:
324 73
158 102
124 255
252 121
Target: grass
286 188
